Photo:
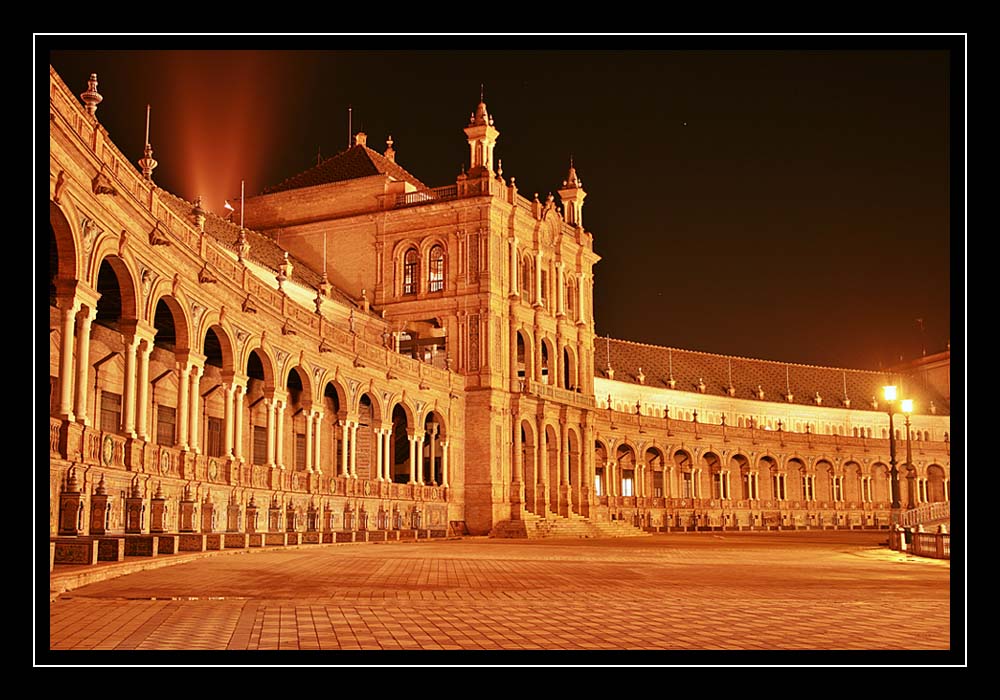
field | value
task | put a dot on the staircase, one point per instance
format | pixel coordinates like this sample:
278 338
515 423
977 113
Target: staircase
533 526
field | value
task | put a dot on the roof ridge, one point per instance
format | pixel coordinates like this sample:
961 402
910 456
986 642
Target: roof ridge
739 357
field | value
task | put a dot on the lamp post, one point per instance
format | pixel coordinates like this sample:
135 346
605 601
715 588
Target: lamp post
889 392
911 473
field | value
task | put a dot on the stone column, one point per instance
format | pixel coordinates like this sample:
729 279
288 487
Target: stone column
269 407
444 464
344 435
238 423
128 410
195 394
420 457
279 434
227 428
318 437
413 458
309 440
538 354
66 364
560 291
564 495
432 434
515 289
142 393
379 468
354 450
538 277
542 481
183 384
86 317
387 454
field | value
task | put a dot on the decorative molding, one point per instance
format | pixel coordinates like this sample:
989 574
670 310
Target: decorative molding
248 307
60 185
197 311
241 334
325 346
90 231
147 277
287 329
157 237
205 276
102 185
281 356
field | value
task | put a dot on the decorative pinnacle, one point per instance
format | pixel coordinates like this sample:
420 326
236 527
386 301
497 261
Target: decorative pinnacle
91 97
147 163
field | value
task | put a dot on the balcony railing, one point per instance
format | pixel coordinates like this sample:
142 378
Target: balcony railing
929 512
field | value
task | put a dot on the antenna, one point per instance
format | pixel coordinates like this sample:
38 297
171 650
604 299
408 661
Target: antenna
350 115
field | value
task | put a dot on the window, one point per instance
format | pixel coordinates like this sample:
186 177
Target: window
657 484
259 445
166 426
838 490
719 489
411 264
598 475
213 437
808 492
571 300
111 412
527 279
686 493
545 287
627 479
436 278
300 451
779 487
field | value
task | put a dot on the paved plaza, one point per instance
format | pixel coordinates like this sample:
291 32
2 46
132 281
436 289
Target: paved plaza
704 591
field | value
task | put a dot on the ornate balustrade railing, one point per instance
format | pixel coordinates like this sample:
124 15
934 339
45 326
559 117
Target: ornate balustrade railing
928 512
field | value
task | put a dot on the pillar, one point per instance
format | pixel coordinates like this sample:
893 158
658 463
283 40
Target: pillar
66 365
128 409
413 458
238 422
387 453
142 393
227 428
269 407
538 278
560 292
344 434
354 450
195 395
279 434
420 456
432 434
86 317
318 437
379 469
183 371
444 464
515 289
309 440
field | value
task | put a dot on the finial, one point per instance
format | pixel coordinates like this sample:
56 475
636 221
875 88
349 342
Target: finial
159 491
100 490
480 92
198 214
91 97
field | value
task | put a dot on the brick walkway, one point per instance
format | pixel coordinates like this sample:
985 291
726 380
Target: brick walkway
666 592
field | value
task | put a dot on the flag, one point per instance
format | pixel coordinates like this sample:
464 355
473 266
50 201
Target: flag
229 206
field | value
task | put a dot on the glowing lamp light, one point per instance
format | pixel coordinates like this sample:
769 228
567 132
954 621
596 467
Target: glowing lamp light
907 406
889 392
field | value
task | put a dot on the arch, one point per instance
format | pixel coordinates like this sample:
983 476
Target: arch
936 492
601 452
524 356
335 398
434 434
527 273
572 296
377 407
436 268
170 319
263 368
881 487
401 418
548 362
63 250
410 281
116 285
569 378
221 347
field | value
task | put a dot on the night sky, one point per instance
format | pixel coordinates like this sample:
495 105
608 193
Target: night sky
771 198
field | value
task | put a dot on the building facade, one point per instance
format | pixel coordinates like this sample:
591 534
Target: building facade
367 354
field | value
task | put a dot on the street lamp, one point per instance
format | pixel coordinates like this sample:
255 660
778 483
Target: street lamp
889 392
911 473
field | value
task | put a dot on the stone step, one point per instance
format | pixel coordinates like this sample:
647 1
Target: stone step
533 526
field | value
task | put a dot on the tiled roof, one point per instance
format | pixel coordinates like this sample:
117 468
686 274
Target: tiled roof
263 249
690 367
357 161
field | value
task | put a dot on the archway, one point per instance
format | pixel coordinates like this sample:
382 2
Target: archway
399 445
435 434
682 462
600 469
654 463
625 464
936 492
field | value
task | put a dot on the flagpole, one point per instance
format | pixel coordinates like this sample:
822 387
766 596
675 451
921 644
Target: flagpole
241 203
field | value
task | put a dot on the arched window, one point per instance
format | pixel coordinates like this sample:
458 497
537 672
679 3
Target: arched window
527 279
436 278
411 265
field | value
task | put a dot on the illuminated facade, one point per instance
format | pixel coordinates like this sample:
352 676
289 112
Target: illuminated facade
371 358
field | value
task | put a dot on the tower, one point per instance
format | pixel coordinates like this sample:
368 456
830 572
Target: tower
572 196
482 137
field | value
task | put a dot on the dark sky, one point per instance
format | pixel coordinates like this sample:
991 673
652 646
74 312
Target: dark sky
772 198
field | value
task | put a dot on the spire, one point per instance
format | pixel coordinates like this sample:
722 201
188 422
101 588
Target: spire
572 195
146 162
482 137
91 97
389 152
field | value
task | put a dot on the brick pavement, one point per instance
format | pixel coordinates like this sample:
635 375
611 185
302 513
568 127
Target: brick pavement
745 591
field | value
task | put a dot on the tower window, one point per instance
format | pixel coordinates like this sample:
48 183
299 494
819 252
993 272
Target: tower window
411 263
436 278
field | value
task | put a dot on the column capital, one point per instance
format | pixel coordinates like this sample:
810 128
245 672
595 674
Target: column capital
136 329
72 293
190 358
